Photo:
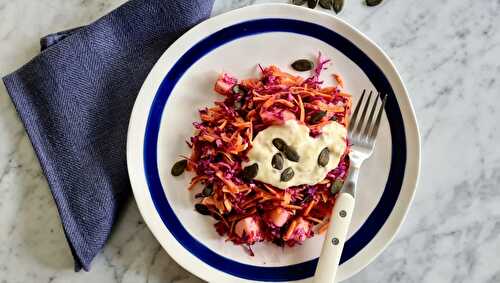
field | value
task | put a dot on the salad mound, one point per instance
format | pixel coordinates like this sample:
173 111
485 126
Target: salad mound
246 210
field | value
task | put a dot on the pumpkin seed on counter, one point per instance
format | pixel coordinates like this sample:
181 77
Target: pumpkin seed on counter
302 65
335 5
277 161
324 157
287 174
179 167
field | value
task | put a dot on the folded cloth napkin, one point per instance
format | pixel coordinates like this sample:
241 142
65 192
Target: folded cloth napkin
75 100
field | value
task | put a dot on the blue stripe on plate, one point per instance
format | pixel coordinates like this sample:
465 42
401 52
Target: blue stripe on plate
375 220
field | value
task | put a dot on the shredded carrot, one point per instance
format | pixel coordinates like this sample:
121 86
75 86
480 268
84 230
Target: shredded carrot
242 124
227 204
291 206
228 183
290 230
245 204
309 207
207 138
324 182
339 80
323 227
224 123
286 198
324 197
270 189
195 181
315 220
318 126
301 107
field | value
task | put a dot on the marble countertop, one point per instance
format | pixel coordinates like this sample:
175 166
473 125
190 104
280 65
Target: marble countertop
448 53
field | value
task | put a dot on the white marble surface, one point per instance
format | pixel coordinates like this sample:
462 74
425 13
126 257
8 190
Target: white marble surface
448 52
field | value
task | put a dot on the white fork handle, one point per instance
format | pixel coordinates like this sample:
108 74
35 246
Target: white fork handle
335 239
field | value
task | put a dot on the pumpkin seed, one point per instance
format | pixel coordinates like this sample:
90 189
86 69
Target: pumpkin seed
202 209
324 157
179 167
299 2
287 175
372 3
291 154
302 65
307 199
326 4
236 88
334 118
338 5
336 186
237 105
277 161
251 171
208 191
279 144
316 117
312 3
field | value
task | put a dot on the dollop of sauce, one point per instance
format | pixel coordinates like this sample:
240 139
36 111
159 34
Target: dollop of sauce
306 170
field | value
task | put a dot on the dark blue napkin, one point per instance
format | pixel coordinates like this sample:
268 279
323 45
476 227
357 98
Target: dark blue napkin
75 100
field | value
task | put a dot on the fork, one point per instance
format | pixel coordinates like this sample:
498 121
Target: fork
362 137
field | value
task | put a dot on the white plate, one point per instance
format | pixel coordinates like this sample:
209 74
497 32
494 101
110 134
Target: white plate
181 82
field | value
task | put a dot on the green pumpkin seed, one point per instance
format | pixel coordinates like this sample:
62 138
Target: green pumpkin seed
336 186
338 5
279 144
334 118
299 2
208 191
372 3
287 175
302 65
277 161
307 199
251 171
237 105
316 117
326 4
291 154
202 209
179 167
236 88
312 3
324 157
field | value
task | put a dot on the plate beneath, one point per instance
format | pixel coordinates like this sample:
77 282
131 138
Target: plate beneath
181 82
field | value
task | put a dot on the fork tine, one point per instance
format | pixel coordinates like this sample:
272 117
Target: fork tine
363 115
355 113
370 118
377 121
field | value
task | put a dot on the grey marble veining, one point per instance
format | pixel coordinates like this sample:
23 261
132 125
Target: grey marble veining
448 53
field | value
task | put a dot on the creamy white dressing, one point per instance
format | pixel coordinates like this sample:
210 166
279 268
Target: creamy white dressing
307 171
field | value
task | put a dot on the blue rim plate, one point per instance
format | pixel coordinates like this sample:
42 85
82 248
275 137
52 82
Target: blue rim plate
167 103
